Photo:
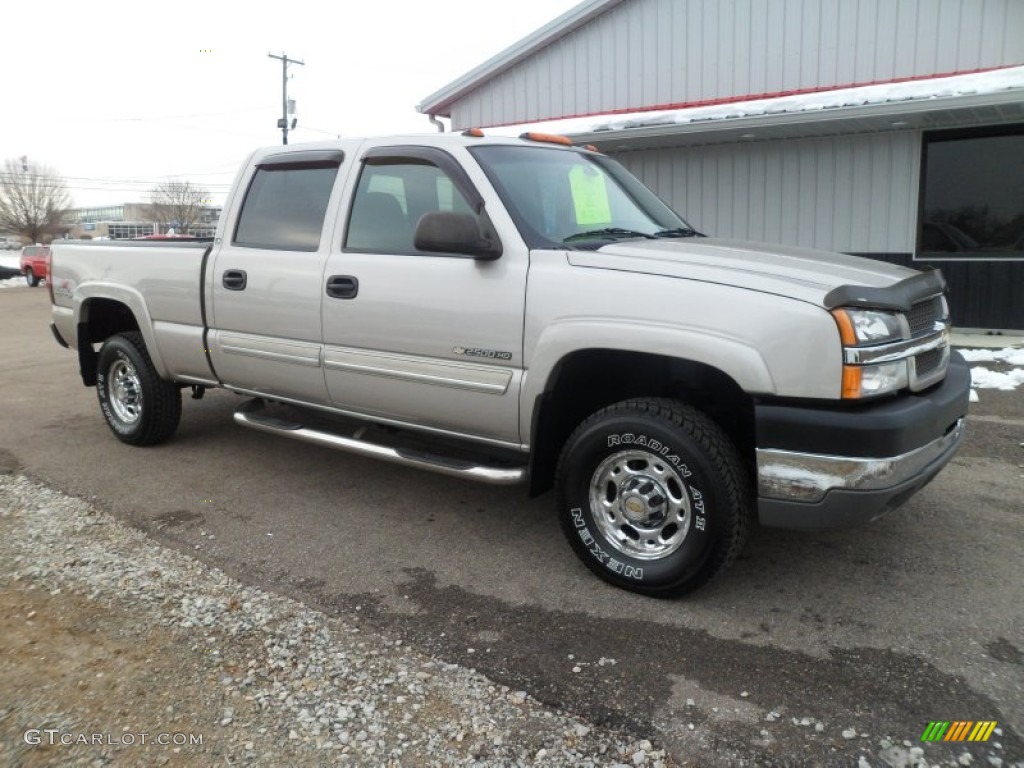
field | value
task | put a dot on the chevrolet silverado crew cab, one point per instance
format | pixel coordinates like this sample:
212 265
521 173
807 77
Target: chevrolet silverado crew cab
520 310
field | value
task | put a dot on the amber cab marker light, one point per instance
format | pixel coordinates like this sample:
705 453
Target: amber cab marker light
851 382
846 332
550 138
474 132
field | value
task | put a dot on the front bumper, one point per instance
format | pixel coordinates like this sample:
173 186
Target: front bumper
831 467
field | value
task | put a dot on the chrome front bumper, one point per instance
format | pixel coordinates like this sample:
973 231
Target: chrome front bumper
806 490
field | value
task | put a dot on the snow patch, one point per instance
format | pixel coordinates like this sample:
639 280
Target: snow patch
986 379
11 261
1011 355
1008 78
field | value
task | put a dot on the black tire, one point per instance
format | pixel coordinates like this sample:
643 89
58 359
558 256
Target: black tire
140 408
685 485
31 278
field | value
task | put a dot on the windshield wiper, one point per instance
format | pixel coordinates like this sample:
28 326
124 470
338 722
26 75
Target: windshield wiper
607 232
678 232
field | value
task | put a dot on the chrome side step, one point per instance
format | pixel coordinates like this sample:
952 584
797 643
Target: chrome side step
248 415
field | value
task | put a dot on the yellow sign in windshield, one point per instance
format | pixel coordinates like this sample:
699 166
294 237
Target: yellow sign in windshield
589 196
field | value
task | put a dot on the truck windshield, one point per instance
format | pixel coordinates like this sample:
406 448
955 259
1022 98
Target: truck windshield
563 198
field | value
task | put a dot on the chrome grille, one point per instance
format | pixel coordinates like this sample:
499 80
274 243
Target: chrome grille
924 314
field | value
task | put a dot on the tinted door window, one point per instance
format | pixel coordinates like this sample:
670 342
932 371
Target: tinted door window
284 208
390 199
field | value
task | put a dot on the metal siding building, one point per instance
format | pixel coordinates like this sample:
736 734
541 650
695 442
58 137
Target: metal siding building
855 194
849 179
609 56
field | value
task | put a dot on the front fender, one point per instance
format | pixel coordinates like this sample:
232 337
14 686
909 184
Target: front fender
732 356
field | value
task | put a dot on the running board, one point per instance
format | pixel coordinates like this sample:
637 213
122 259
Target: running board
248 416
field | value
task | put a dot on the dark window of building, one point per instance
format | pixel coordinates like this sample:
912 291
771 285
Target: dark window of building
284 207
130 230
972 195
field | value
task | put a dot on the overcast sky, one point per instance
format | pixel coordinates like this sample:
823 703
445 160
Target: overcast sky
118 96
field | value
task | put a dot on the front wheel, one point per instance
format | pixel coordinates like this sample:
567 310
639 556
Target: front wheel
653 496
31 278
139 406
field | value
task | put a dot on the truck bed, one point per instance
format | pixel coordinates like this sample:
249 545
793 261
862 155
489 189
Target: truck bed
160 281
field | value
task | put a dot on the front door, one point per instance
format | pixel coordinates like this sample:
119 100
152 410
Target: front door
414 337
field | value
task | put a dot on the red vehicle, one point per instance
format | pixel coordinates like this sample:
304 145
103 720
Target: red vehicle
34 263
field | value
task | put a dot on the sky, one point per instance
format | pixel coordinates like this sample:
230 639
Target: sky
119 96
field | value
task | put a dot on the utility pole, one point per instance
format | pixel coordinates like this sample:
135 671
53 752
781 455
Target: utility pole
283 122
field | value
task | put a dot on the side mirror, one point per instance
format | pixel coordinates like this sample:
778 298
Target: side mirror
456 233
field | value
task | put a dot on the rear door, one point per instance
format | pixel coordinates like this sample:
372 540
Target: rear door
266 278
422 338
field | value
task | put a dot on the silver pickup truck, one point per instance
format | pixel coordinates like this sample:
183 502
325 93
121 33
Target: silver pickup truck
520 310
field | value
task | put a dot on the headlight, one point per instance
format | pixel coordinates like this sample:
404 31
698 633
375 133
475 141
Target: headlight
868 328
859 327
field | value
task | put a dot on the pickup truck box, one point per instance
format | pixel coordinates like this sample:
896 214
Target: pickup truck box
518 310
34 263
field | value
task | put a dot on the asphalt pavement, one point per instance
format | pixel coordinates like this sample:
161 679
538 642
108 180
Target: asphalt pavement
813 649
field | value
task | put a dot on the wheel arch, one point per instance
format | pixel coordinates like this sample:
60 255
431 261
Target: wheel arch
100 316
586 380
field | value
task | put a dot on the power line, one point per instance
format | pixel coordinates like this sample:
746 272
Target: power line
156 179
157 118
335 134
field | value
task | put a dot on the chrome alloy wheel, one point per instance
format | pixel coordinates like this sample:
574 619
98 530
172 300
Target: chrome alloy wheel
640 504
125 391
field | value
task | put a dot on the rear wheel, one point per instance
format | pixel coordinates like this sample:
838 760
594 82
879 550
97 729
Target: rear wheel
653 496
139 406
31 278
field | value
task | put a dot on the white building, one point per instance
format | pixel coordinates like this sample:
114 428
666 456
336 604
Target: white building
130 220
887 128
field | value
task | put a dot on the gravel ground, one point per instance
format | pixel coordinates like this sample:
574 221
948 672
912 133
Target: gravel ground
110 643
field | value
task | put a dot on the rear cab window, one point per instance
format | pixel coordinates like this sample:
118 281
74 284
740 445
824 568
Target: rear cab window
286 203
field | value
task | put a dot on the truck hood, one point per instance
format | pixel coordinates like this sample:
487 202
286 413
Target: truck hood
798 273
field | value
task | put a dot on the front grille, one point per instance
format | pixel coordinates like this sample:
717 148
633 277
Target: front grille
924 314
927 362
929 367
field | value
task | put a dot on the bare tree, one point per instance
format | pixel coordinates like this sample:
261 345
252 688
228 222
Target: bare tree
177 204
33 199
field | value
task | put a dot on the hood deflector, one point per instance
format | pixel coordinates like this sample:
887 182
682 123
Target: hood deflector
898 296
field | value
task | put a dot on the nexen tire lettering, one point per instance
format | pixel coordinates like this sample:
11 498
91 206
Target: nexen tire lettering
599 554
655 446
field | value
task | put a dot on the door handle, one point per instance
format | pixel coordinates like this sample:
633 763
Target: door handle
342 287
234 280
